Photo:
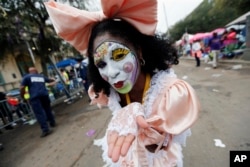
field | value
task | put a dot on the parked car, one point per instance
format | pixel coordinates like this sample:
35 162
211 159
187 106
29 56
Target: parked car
14 92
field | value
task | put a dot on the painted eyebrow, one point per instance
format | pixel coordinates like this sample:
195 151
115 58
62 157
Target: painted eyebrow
112 41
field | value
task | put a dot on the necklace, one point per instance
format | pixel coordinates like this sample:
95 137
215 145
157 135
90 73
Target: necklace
146 86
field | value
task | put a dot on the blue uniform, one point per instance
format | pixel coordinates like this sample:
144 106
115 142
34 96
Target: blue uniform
39 99
36 85
83 75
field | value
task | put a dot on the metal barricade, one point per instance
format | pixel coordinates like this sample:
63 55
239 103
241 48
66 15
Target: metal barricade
11 115
23 114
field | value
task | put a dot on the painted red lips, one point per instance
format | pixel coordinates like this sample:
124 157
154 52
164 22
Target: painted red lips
119 84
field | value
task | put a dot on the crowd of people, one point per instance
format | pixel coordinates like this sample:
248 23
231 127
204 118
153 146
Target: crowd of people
219 45
72 77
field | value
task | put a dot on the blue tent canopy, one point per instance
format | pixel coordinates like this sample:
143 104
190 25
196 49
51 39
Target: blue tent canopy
65 63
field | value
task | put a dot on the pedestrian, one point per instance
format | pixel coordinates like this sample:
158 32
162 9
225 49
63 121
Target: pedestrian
65 77
16 106
66 85
196 52
130 73
72 78
39 99
230 43
83 74
187 49
215 46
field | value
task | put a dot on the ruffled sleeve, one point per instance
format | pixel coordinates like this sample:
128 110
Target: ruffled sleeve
175 109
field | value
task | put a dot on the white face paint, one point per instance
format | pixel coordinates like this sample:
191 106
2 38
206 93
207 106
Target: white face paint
118 65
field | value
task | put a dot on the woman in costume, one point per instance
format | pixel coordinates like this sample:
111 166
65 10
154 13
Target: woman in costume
130 71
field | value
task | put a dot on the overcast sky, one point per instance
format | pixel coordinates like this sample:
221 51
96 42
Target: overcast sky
172 11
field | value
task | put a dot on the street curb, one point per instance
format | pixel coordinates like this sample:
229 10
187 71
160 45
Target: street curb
73 96
234 61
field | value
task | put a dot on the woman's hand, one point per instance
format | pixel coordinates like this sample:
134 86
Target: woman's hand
118 145
100 99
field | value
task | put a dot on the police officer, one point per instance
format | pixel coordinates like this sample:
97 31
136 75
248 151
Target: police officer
39 99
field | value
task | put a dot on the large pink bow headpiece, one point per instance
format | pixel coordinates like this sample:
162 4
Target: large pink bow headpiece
74 25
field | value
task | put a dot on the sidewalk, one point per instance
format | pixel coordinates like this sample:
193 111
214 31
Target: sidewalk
70 144
233 61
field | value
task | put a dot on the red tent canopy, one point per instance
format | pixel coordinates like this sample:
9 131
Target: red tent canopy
200 36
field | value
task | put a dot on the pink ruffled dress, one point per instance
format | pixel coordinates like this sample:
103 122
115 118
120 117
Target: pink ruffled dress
170 108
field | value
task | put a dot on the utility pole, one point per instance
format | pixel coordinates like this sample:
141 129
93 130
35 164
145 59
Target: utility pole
59 75
166 17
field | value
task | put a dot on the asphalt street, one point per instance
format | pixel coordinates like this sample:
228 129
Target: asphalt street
223 124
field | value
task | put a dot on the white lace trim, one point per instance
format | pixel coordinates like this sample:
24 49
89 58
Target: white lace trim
181 138
124 121
103 144
113 102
